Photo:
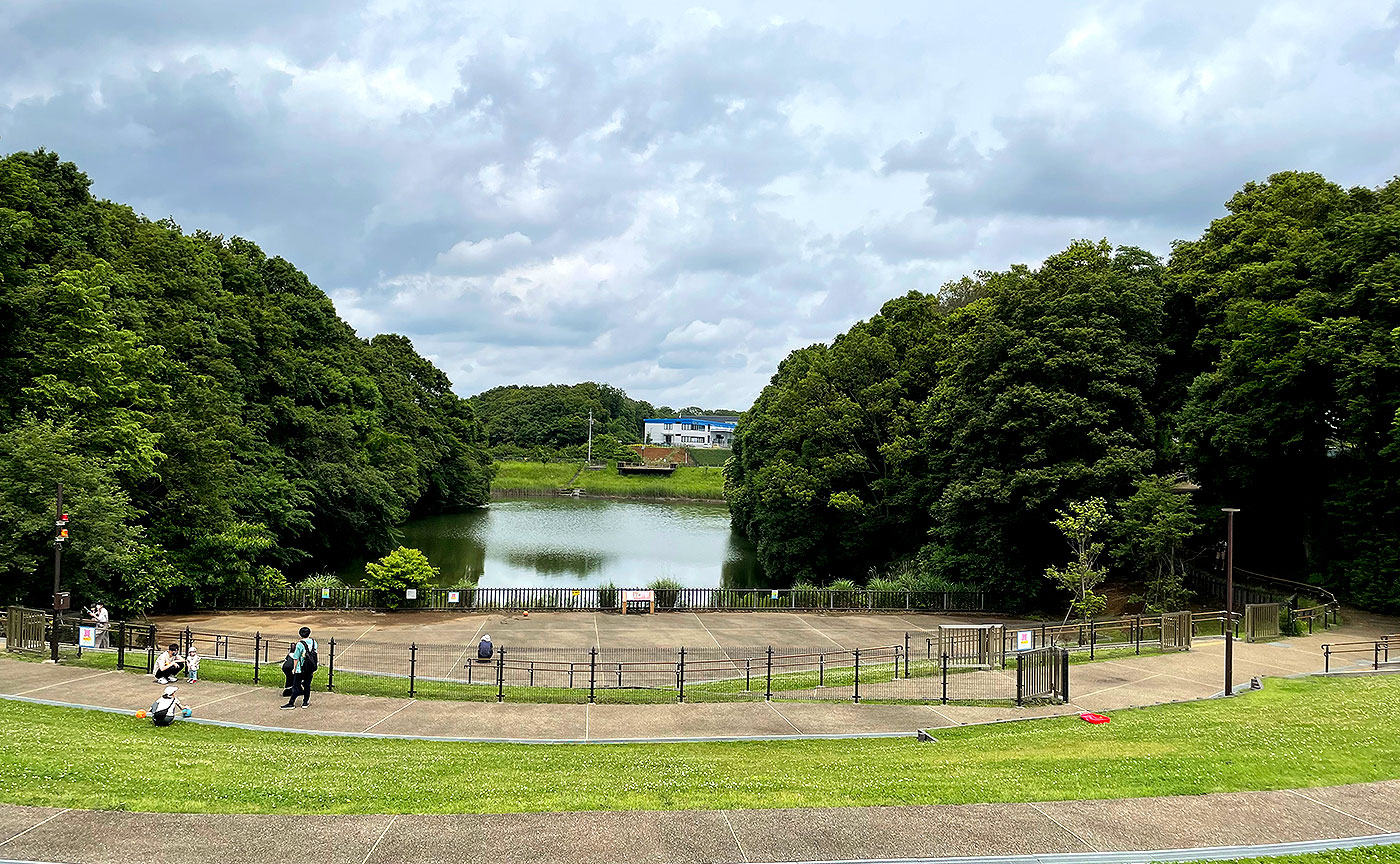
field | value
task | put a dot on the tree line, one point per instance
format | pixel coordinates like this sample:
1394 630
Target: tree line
215 425
957 434
552 419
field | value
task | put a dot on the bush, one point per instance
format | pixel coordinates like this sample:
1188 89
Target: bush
321 580
667 592
843 593
607 596
807 595
398 571
885 593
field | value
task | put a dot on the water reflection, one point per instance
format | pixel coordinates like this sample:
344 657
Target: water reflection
587 541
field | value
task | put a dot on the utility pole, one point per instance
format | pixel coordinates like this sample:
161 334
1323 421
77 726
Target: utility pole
60 535
590 436
1229 597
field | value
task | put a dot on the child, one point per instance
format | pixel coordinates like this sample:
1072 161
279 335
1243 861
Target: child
192 666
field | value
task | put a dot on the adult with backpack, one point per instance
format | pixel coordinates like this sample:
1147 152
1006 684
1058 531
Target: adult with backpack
299 666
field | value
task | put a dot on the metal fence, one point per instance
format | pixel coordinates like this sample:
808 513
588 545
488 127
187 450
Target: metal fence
608 599
1378 651
909 671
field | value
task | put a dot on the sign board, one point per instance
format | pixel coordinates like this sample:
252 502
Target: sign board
773 594
453 596
644 595
87 637
410 594
325 593
577 592
1025 640
61 601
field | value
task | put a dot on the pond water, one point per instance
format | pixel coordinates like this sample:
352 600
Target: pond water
579 542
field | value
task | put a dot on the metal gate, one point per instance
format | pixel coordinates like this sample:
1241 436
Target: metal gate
1042 674
1176 631
1261 621
24 629
980 645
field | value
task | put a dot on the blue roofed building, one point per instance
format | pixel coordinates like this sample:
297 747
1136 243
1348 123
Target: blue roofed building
688 432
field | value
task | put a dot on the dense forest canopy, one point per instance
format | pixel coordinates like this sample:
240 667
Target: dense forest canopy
215 425
949 431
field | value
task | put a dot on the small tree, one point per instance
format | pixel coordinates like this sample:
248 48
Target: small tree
398 571
1157 522
1079 523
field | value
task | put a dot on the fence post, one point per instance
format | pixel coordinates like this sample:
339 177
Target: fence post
1064 674
257 654
330 671
906 654
1020 682
748 666
121 645
1137 635
1093 637
1326 659
945 679
821 670
856 696
501 674
188 639
151 650
1376 664
680 696
412 667
592 670
768 687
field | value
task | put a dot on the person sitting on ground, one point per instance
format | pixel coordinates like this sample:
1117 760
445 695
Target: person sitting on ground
166 709
169 664
484 649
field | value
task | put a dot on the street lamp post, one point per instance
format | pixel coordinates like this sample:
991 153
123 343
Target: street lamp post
1229 597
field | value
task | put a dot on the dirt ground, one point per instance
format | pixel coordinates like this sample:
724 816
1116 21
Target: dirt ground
813 631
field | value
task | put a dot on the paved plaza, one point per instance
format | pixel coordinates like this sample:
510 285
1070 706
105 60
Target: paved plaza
658 837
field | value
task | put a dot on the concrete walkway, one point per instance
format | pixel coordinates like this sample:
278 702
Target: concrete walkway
1101 686
1246 818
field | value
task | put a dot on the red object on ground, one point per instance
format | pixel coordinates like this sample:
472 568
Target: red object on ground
1096 719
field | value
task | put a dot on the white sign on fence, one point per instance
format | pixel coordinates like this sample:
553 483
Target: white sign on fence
87 637
644 595
325 593
410 594
773 595
1025 640
453 596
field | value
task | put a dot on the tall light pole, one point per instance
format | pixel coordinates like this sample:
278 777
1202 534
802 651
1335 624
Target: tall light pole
60 535
1229 597
590 436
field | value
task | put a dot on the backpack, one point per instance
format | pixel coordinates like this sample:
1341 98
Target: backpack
309 660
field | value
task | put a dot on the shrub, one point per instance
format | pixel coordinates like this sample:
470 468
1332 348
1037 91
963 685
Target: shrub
843 593
321 580
667 592
398 571
607 596
885 593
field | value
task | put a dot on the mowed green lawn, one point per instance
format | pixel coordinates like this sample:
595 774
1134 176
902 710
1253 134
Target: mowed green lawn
687 482
1294 733
1360 855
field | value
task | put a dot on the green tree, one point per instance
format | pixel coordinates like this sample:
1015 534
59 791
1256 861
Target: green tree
398 571
1079 523
1150 541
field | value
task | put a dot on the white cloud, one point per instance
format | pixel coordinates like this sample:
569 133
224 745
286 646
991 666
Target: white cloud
671 198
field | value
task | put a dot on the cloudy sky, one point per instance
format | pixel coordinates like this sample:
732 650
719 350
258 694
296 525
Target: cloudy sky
670 198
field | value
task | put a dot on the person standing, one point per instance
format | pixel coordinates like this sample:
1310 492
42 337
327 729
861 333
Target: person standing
101 616
303 665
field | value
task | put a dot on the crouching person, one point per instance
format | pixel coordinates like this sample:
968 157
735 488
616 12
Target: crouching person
166 709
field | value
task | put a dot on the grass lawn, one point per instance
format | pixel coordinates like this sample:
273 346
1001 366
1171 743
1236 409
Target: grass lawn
1293 733
535 477
1362 855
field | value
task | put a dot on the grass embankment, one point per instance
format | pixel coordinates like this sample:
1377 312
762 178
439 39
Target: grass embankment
1333 731
1360 855
536 478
